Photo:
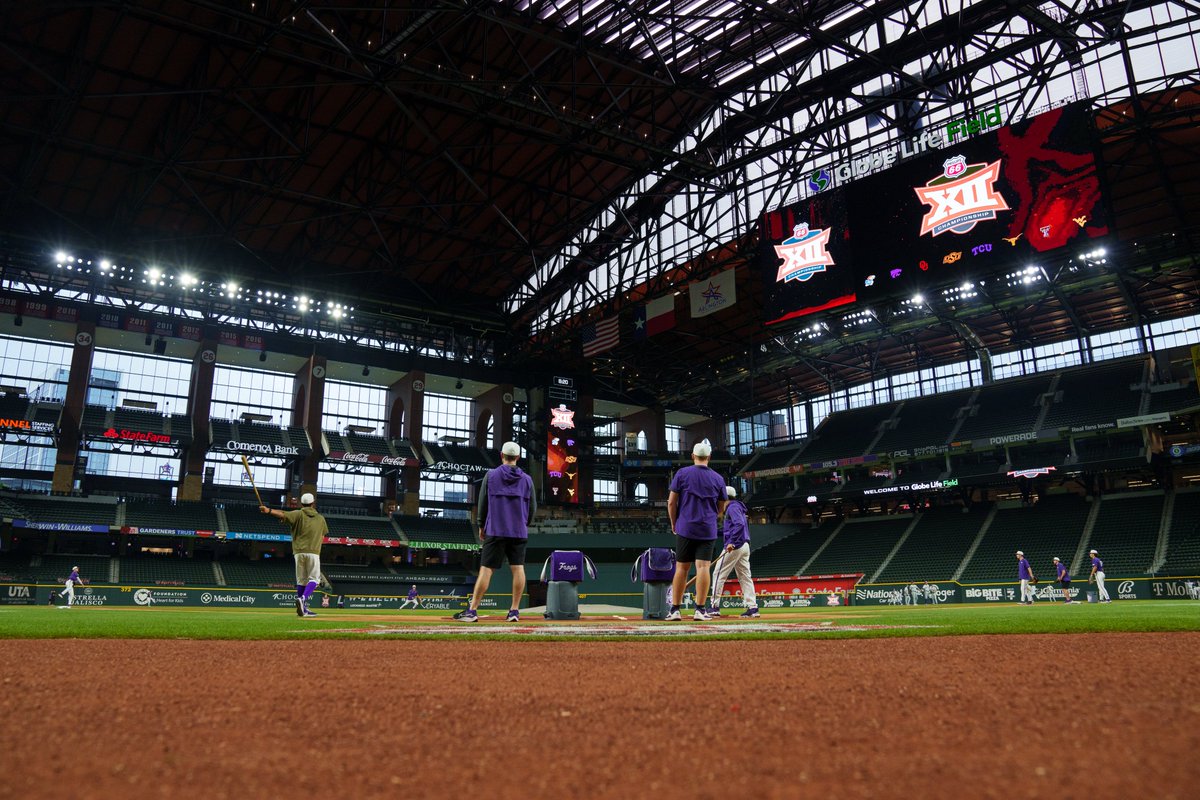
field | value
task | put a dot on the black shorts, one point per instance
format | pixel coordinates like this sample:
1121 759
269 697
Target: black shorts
1064 583
689 551
498 548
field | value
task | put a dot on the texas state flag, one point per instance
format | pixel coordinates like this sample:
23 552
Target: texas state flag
654 317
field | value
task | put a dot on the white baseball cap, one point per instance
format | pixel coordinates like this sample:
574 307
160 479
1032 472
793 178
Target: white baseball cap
1091 551
732 492
1056 558
1020 552
511 449
702 449
307 499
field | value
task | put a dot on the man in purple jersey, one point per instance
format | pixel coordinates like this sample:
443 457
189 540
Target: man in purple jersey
413 598
1098 576
697 498
1064 579
68 592
735 557
506 508
1025 575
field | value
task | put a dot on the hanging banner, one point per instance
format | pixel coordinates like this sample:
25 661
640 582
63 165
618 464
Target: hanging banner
716 293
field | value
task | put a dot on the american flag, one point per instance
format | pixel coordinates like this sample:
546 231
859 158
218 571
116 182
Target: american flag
600 336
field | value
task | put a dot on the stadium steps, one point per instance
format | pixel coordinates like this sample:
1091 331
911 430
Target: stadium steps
1164 534
1046 405
222 521
1127 530
861 546
1085 540
218 574
784 556
1052 526
804 567
1183 547
114 570
892 554
983 529
936 546
119 517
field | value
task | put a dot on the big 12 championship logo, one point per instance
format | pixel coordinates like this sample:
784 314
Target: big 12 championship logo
961 197
804 254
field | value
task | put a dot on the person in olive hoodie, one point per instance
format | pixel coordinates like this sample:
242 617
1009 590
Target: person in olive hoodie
506 508
309 530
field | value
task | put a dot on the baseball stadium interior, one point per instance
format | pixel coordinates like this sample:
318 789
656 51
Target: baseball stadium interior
269 248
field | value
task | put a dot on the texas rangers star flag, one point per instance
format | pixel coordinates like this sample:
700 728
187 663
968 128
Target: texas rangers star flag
712 295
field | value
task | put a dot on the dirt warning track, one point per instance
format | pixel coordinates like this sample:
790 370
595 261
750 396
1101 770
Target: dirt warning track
1087 716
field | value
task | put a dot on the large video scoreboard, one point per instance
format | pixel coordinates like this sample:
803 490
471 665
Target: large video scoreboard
562 446
971 208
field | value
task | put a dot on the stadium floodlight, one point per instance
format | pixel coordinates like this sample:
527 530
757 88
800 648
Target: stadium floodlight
337 313
105 264
154 273
61 256
187 279
918 299
966 287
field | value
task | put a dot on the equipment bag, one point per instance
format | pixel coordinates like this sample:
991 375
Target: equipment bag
655 565
568 565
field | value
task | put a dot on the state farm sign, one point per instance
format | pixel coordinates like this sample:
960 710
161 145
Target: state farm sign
145 437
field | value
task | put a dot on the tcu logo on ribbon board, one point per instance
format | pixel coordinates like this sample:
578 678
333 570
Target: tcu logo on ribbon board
961 197
804 254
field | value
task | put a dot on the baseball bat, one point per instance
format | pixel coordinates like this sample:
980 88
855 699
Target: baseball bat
252 484
716 564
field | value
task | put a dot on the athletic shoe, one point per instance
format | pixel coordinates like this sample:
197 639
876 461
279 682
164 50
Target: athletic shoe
467 616
713 611
308 613
673 617
513 616
750 613
299 607
700 616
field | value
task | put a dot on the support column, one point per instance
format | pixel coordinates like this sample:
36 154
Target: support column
70 425
406 399
496 404
307 406
199 409
584 415
652 422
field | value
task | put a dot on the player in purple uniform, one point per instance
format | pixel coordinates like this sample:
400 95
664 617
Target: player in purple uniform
735 557
697 498
1098 576
68 592
1025 574
506 508
413 598
1064 579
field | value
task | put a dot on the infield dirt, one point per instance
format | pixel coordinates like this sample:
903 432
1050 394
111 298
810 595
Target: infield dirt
1084 716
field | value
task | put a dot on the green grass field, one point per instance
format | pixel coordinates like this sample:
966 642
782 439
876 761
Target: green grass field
43 622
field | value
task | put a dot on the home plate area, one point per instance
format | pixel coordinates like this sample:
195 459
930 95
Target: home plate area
605 629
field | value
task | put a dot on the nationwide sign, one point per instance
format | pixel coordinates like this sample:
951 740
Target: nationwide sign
25 426
372 458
